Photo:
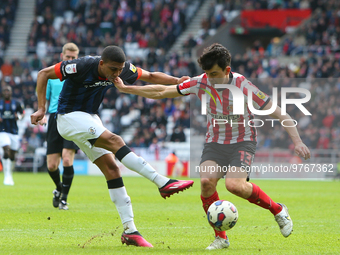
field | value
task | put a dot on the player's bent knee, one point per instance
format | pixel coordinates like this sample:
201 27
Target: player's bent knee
207 184
234 187
112 172
116 141
52 166
113 168
6 153
67 161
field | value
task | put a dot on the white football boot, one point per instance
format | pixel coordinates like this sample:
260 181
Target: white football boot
284 221
218 243
63 205
9 180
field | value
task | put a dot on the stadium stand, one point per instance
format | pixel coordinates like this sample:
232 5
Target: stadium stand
147 29
7 15
320 35
317 65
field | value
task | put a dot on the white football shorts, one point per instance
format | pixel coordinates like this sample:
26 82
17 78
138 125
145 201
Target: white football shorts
80 127
9 139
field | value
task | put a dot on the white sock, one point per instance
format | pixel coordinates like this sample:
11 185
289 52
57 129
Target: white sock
124 207
139 165
129 227
12 166
7 167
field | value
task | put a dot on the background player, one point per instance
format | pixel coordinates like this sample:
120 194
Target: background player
11 110
227 145
86 81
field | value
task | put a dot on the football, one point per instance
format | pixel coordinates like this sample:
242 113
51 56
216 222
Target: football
222 215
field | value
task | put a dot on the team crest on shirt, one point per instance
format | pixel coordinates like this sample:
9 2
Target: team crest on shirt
71 68
133 68
92 130
261 95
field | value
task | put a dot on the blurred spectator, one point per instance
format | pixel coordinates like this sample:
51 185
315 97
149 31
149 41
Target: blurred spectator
17 68
122 101
177 135
7 68
7 16
169 108
154 146
34 141
36 63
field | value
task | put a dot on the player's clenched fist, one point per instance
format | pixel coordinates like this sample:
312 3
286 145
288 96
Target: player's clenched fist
119 84
38 117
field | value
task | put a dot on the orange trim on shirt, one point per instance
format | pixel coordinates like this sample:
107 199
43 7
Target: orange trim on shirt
101 78
139 71
57 71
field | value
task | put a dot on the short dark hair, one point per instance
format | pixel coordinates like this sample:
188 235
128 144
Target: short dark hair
113 54
214 54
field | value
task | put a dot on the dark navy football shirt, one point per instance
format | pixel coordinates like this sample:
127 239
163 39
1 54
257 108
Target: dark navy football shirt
84 89
7 114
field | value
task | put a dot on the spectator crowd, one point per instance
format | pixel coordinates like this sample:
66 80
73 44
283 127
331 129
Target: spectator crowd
154 25
7 15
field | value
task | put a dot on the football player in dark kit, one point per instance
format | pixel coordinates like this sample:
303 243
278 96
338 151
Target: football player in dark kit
11 110
86 81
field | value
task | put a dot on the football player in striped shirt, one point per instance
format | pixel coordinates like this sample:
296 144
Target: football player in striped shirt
228 146
86 81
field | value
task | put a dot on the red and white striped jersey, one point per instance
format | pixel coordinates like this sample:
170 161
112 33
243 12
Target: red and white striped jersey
223 127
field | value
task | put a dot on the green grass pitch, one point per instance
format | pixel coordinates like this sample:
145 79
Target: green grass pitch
30 225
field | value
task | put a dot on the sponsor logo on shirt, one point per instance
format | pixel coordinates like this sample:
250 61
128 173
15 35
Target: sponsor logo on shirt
261 95
8 115
71 68
224 117
98 84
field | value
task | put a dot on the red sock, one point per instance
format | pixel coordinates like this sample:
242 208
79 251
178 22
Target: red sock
260 198
207 201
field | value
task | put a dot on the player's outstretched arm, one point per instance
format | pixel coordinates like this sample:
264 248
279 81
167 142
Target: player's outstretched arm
161 78
43 76
300 148
148 91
